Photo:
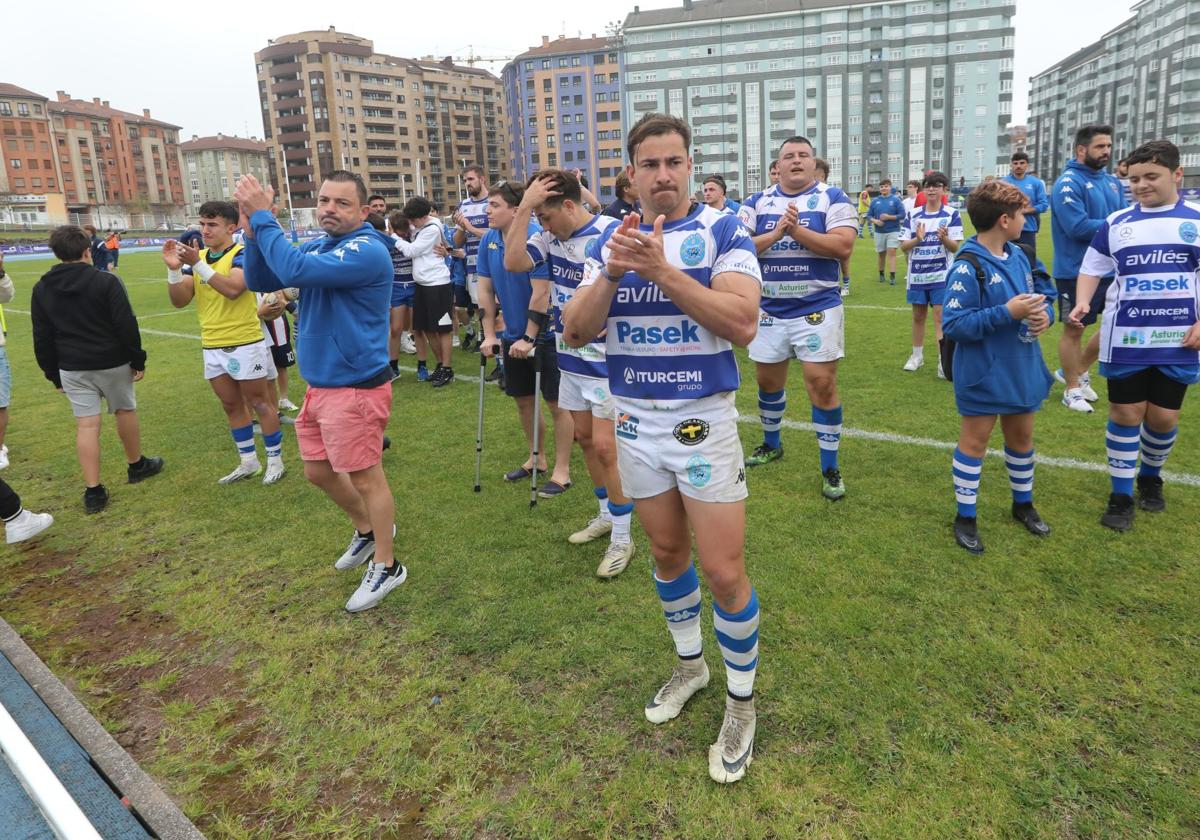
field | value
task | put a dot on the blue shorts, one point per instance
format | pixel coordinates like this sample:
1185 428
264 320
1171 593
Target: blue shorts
402 294
5 378
926 295
1066 299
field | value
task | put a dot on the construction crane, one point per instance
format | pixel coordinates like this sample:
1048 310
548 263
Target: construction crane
470 59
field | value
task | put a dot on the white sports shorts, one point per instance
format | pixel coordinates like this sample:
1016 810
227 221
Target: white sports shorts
585 393
816 337
247 361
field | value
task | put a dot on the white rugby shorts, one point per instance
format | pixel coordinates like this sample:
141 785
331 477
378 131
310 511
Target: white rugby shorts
816 337
248 361
585 393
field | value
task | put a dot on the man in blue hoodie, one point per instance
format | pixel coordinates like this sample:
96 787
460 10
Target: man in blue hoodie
345 278
1083 196
1035 192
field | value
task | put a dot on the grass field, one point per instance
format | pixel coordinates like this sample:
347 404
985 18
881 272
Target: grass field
906 690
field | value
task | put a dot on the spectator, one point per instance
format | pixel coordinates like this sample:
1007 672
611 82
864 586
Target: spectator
98 248
113 244
1035 193
20 524
626 201
885 213
433 298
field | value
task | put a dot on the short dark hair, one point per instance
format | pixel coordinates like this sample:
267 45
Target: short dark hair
399 223
478 170
70 242
774 165
511 192
719 180
1159 152
822 165
377 195
797 139
991 200
417 207
1086 134
226 210
376 221
565 184
622 185
933 178
345 176
887 181
656 125
1016 156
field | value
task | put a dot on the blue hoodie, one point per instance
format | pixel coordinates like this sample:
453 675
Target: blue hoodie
994 371
1035 191
1081 200
346 284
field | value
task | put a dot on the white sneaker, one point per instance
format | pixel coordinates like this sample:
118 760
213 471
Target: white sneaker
594 530
1074 400
1085 387
26 525
845 291
407 345
1059 377
358 552
377 582
455 342
275 471
3 457
243 471
733 752
914 362
288 405
616 558
670 699
941 370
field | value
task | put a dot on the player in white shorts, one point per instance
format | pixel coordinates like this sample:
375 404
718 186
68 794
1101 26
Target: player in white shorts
568 232
674 296
237 360
802 230
472 222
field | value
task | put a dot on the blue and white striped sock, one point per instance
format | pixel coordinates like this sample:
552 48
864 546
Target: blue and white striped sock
1122 443
274 444
771 405
681 606
737 636
1156 446
243 438
829 434
967 471
1020 474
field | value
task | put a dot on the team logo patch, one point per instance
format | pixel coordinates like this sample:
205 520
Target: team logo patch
1187 232
627 426
692 250
765 320
813 343
600 394
815 318
699 471
691 432
628 376
1125 232
234 367
741 478
813 201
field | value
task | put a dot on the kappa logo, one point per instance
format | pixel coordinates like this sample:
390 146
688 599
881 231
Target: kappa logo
691 432
963 268
741 476
995 280
258 369
958 287
1118 464
954 303
1090 185
1068 200
1066 188
627 426
680 615
815 318
692 250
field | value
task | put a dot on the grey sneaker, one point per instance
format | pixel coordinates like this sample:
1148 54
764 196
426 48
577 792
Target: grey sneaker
690 676
733 752
377 582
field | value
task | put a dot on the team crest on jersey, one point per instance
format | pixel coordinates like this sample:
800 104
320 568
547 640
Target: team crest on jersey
691 432
629 376
1187 232
234 367
692 250
765 320
699 471
813 201
815 318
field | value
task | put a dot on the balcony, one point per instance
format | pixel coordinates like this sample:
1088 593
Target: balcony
297 171
781 94
292 137
294 121
284 69
298 155
287 103
287 86
645 106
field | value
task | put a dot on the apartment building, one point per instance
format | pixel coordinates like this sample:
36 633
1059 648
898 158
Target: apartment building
212 165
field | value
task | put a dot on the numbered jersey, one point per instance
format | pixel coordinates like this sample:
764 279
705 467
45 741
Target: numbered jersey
475 209
929 260
795 281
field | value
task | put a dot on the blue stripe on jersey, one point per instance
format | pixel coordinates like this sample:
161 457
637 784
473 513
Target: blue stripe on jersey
796 281
929 260
475 210
402 270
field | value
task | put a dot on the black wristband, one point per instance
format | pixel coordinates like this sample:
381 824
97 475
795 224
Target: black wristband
538 318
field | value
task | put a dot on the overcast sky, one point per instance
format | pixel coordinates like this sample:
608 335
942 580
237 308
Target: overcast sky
207 85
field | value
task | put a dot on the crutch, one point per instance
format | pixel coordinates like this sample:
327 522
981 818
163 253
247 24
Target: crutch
537 413
479 426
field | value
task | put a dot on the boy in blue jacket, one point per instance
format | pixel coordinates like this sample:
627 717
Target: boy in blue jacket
994 311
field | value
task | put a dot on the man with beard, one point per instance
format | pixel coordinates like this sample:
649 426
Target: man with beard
471 219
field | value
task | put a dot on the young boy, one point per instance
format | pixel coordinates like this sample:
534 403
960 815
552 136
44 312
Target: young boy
86 341
885 213
1150 337
995 315
929 236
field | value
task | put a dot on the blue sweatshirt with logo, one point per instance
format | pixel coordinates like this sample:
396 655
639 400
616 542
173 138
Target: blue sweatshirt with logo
1082 198
346 294
995 372
1035 191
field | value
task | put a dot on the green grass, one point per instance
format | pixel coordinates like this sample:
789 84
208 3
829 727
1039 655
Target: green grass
1049 689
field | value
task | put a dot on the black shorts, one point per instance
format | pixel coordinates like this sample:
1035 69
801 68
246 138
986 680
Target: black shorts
284 355
1149 385
431 308
462 297
1066 299
519 373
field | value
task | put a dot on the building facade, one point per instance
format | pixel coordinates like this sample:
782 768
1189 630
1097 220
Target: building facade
30 183
212 166
883 89
408 126
1142 77
564 105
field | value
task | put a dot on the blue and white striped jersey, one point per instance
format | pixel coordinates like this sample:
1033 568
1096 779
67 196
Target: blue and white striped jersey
929 260
475 209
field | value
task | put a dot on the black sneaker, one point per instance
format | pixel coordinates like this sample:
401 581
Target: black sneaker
387 442
496 375
1119 515
447 376
95 499
1150 495
1025 513
966 534
144 469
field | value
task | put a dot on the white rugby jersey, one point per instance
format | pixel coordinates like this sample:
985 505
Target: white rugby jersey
475 209
797 282
929 260
658 357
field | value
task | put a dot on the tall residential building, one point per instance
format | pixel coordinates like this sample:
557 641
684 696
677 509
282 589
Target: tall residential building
1142 77
212 165
564 101
30 183
408 126
883 89
116 162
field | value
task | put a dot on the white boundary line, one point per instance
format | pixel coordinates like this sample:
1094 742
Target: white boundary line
146 330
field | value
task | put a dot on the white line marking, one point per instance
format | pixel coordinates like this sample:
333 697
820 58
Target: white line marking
146 330
880 308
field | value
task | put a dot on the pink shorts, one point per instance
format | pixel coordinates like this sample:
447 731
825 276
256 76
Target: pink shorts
344 426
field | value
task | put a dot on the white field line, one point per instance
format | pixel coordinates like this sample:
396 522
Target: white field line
146 330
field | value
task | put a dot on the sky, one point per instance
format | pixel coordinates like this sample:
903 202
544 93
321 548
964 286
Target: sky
208 85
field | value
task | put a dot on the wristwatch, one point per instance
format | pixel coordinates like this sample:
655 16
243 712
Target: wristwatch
527 338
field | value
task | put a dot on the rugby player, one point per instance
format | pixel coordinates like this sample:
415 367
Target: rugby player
930 235
471 220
